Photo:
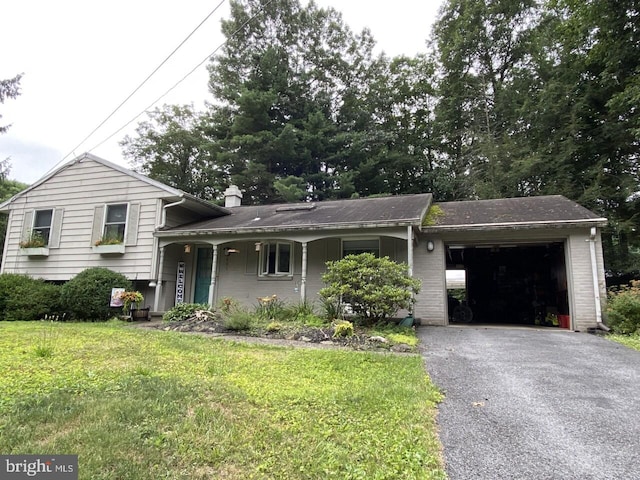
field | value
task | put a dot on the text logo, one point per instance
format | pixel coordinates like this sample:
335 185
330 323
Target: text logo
41 467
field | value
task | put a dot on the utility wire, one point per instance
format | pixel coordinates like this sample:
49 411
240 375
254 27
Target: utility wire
144 81
183 78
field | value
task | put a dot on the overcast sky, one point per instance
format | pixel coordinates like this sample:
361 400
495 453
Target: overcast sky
82 58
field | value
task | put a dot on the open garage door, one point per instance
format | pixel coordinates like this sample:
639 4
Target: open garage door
509 284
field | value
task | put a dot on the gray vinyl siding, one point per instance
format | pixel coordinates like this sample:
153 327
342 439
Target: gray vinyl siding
429 267
238 275
583 313
77 191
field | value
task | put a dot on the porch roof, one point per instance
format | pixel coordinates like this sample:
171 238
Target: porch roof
398 210
523 212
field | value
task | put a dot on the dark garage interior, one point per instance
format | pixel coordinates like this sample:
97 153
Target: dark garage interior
510 284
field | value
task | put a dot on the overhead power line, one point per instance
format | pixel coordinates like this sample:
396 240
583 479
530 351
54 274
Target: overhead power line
143 82
183 78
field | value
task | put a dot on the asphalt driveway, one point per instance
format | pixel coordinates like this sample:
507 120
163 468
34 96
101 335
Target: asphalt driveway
535 404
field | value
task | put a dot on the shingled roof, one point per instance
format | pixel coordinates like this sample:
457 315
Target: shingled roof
509 212
399 210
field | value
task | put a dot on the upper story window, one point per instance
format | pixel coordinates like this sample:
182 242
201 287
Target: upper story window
276 258
355 247
115 222
42 221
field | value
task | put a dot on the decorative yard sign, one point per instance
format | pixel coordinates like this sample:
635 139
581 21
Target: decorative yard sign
180 283
116 299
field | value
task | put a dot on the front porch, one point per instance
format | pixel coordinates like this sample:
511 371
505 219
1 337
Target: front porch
206 268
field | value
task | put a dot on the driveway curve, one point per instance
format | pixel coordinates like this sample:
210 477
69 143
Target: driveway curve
535 403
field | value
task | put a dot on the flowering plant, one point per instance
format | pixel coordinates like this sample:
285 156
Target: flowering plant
108 240
34 240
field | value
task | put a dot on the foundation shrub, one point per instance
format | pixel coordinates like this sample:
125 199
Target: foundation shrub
623 309
26 298
87 295
375 288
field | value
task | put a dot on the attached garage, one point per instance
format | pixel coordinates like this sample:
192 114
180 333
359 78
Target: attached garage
523 284
523 261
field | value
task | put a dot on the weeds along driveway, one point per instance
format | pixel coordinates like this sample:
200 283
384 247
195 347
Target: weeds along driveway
535 404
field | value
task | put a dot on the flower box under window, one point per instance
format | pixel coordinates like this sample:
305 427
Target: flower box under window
115 249
35 251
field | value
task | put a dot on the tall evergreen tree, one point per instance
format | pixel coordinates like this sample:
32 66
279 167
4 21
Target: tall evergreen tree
291 84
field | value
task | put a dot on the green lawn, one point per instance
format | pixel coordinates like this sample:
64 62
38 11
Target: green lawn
137 404
631 341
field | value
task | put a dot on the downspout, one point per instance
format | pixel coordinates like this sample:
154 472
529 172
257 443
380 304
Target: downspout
410 249
596 287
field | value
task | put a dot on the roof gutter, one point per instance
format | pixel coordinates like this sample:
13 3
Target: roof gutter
274 229
507 225
164 211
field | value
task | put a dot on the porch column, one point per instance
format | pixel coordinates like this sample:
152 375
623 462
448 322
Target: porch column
158 294
214 269
410 249
303 280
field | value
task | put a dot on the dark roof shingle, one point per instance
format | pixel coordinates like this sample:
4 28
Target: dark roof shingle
403 209
522 210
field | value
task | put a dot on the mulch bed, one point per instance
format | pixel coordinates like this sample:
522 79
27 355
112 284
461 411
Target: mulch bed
209 323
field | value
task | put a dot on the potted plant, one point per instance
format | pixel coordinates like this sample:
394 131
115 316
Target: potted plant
35 245
130 301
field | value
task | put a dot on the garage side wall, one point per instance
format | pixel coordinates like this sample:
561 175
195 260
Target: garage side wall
429 267
581 274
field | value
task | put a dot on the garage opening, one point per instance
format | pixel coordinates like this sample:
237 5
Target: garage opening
508 284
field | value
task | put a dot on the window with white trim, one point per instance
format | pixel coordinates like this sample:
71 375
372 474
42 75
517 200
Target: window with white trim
42 221
355 247
276 258
115 222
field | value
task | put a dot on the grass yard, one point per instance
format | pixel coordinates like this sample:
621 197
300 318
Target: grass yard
137 404
631 341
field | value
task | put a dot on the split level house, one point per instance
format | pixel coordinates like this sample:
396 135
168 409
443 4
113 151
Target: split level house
515 260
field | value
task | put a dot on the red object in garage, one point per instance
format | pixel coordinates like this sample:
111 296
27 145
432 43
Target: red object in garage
564 321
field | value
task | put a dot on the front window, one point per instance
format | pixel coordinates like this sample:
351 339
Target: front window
276 258
115 222
42 225
356 247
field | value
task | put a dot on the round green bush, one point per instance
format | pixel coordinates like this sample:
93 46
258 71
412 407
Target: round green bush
26 298
623 309
375 288
87 295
